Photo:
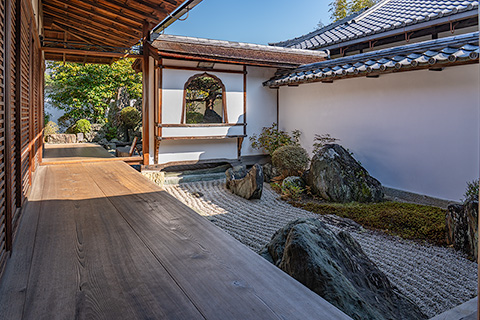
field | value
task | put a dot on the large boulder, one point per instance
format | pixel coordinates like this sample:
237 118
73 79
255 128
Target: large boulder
462 228
336 268
336 176
246 184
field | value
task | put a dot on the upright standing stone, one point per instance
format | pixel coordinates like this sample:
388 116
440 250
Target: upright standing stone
336 176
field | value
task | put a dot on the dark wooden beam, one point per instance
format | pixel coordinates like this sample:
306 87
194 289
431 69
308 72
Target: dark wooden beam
92 53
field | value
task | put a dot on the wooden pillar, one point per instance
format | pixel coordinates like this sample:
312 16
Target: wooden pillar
240 140
145 98
8 125
158 108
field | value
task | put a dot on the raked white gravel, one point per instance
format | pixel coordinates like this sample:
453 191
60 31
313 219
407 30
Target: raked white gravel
435 278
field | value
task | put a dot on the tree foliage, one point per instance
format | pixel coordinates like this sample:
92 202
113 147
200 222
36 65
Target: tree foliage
84 91
342 8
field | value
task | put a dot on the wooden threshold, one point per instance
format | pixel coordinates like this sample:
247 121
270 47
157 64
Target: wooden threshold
129 160
202 137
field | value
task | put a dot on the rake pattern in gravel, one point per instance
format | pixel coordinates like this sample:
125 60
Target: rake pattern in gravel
435 278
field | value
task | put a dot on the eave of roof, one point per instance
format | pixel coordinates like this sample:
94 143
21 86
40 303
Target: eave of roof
387 18
233 52
110 26
439 53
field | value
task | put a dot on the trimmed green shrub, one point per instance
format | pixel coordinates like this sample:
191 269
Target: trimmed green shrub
271 139
82 126
291 160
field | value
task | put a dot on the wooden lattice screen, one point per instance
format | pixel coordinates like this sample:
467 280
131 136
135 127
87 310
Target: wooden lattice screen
21 114
3 209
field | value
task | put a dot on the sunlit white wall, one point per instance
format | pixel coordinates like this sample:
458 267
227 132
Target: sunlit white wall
416 131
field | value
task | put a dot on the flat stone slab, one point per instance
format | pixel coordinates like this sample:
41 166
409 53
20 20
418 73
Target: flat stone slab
465 311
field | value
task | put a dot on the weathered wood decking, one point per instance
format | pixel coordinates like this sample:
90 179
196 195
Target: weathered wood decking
79 153
99 241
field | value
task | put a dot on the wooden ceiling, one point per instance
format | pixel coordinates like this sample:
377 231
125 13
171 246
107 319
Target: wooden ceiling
72 27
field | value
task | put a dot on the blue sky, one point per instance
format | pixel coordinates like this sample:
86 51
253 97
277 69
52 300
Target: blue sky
254 21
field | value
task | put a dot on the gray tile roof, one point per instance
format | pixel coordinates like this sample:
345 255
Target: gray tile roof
387 15
438 53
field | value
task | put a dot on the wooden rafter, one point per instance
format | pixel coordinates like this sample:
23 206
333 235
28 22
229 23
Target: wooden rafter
87 25
94 30
56 12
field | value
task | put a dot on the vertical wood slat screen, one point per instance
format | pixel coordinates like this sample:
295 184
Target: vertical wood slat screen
21 113
13 104
3 123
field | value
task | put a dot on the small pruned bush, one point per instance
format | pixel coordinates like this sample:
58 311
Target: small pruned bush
50 128
82 126
290 190
291 160
471 194
272 138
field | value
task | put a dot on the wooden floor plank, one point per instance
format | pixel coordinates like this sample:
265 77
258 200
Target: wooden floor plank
74 151
108 273
14 281
225 279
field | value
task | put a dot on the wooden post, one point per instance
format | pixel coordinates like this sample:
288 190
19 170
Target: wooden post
8 125
145 98
158 108
240 140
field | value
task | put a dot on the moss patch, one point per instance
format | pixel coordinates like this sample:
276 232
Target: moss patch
407 220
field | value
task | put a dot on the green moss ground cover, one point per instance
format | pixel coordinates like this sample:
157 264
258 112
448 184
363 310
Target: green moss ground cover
407 220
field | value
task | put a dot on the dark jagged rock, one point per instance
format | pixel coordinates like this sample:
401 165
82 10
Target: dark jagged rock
462 228
270 172
248 185
336 176
336 268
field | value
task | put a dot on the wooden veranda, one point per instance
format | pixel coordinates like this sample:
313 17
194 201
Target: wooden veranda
33 31
99 241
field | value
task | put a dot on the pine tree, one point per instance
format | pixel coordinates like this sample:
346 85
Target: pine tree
339 9
343 8
357 5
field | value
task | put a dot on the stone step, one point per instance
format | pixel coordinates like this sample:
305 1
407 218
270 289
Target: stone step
193 178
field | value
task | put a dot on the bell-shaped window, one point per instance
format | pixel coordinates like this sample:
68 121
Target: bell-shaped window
204 100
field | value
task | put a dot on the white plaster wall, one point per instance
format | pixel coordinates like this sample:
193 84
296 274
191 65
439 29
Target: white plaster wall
172 105
261 112
261 105
416 131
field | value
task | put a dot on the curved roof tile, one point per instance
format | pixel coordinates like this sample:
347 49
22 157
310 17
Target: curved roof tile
384 16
